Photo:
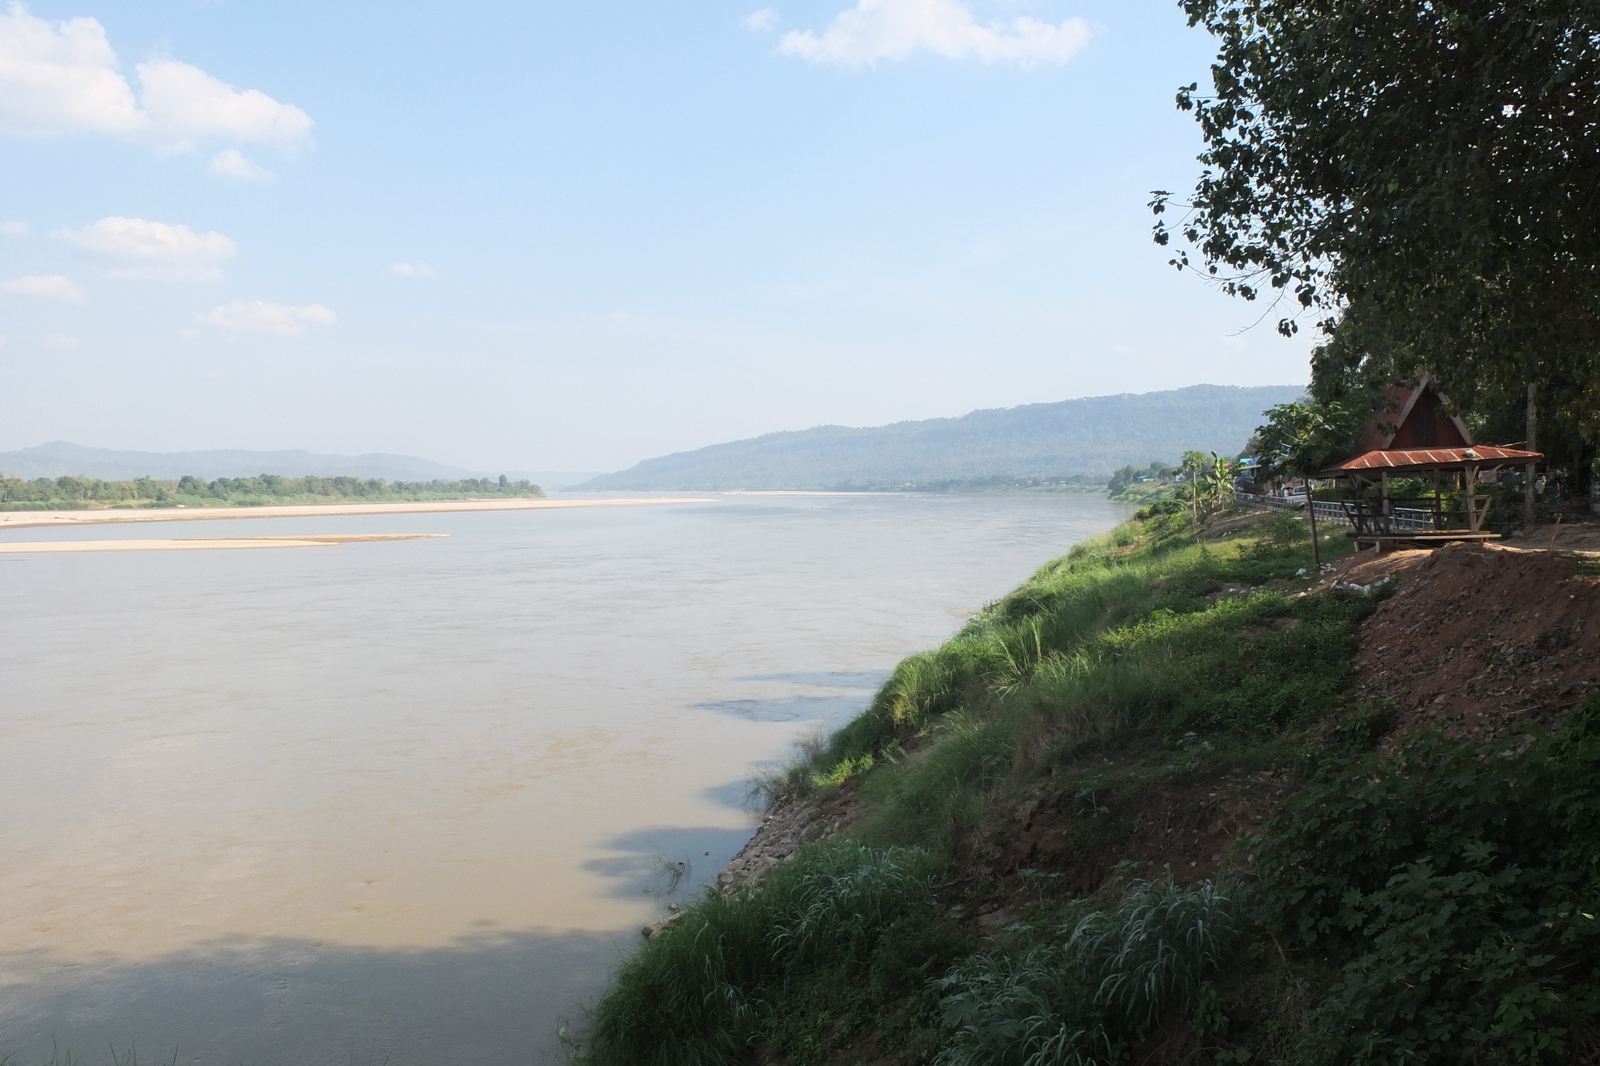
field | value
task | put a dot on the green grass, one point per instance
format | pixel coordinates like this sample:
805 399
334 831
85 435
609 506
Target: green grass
1134 642
1084 992
759 965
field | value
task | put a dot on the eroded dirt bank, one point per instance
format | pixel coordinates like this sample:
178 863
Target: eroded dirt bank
1486 635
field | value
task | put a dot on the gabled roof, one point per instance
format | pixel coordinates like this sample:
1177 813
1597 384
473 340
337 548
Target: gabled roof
1413 416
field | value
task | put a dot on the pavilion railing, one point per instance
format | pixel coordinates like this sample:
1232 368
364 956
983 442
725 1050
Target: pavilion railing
1389 517
1339 513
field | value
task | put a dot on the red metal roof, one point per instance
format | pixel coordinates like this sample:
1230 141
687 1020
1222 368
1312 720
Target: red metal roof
1432 458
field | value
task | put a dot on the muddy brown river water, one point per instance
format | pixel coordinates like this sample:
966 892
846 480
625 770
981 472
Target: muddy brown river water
406 802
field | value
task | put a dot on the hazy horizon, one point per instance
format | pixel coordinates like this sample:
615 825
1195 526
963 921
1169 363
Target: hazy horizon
546 237
424 462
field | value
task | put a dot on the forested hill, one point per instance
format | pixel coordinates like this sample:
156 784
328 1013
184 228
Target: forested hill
1088 437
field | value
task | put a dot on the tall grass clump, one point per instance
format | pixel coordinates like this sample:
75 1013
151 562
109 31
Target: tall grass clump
710 986
1084 996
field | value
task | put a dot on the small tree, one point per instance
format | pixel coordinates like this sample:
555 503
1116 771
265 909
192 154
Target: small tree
1191 466
1302 438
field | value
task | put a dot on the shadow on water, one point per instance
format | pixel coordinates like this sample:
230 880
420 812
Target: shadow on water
736 796
668 864
859 679
491 998
494 997
788 708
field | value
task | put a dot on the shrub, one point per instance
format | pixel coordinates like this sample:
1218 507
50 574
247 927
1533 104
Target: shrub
1454 884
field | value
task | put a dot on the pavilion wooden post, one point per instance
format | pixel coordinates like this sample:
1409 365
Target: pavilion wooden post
1469 481
1530 445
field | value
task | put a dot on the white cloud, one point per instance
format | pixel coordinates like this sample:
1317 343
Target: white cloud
761 21
63 77
152 251
15 229
232 163
187 105
254 316
61 341
419 269
893 29
50 287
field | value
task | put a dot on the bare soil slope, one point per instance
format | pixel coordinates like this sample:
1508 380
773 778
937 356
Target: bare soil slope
1481 635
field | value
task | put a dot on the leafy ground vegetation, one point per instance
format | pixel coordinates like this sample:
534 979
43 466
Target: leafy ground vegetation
1134 812
80 493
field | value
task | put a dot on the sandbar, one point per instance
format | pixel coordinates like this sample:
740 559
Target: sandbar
204 543
25 519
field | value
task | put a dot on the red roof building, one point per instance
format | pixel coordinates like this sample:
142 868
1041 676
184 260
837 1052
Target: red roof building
1414 435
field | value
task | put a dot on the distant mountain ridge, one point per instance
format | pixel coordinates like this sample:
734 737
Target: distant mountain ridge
1092 436
62 458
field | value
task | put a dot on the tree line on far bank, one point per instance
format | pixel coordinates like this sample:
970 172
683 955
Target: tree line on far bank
17 494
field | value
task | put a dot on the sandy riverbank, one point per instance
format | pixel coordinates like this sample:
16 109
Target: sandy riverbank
26 519
203 543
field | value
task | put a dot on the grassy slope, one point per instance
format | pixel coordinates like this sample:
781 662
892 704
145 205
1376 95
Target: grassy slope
1042 868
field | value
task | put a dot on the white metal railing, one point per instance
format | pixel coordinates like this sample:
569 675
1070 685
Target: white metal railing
1272 503
1411 518
1332 512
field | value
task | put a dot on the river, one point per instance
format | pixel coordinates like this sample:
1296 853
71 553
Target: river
408 802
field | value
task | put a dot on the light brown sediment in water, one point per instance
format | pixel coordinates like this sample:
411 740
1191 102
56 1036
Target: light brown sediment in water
204 543
25 519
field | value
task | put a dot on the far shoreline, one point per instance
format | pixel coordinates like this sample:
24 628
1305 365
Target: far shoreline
73 519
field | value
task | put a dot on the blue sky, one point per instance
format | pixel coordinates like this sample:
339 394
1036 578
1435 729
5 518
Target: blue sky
572 236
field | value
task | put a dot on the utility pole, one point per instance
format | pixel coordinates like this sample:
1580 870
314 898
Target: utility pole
1532 445
1311 516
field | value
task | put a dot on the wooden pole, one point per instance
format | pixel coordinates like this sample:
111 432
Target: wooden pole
1527 471
1469 478
1311 516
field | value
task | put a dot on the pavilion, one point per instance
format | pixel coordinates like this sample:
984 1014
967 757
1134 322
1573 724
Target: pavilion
1413 435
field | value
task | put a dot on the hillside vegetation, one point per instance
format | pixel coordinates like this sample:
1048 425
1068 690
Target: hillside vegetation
1137 811
1064 443
78 493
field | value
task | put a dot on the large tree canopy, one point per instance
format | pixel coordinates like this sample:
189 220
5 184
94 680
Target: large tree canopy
1432 167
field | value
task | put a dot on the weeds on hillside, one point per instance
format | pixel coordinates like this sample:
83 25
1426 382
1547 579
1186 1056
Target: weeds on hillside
1107 648
1112 638
1087 993
1455 885
841 924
